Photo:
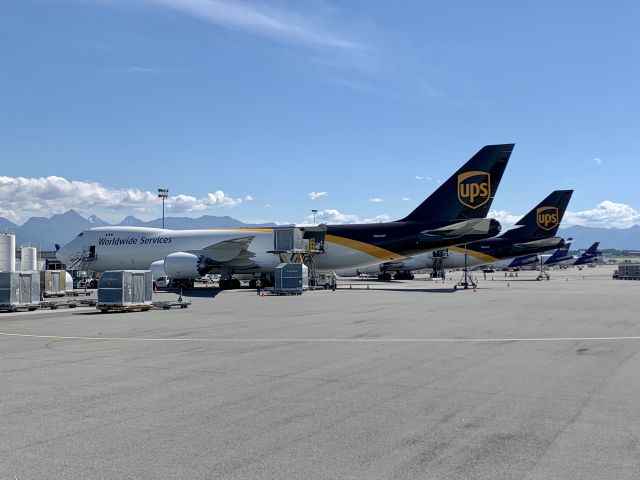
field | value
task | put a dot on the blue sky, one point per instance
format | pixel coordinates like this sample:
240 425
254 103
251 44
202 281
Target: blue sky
247 108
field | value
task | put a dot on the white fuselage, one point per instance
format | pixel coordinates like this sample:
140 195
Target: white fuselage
117 248
423 261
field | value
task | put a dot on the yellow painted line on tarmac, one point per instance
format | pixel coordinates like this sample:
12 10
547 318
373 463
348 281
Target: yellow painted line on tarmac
324 340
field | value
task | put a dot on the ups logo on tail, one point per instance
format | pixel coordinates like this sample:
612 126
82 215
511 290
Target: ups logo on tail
474 188
547 217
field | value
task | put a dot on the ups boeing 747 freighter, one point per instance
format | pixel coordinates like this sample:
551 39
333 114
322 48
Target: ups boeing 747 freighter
454 214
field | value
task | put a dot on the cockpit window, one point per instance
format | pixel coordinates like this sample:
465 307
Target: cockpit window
80 234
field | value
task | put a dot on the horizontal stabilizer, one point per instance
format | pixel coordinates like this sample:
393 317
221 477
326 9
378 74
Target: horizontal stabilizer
543 243
476 226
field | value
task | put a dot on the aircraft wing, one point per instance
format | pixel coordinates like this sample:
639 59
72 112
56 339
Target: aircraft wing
228 250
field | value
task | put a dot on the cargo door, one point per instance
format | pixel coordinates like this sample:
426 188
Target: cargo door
55 282
138 288
25 289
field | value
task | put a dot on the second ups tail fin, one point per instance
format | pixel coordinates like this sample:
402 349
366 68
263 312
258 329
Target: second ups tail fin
544 220
469 192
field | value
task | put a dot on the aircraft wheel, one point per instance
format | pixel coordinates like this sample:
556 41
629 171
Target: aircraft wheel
235 283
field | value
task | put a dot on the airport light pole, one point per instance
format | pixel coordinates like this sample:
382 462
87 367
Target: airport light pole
163 193
314 211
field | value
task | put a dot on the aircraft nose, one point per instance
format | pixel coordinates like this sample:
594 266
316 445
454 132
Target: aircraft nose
63 254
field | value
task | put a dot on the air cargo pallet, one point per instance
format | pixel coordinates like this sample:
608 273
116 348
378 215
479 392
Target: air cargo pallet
77 293
14 308
53 294
166 305
124 308
269 291
56 305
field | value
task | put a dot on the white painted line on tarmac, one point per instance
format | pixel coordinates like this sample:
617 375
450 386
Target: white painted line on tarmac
323 340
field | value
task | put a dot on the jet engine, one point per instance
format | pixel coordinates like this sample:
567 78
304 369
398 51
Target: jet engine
183 265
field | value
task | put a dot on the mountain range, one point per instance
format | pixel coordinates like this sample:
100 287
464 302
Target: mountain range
46 232
62 228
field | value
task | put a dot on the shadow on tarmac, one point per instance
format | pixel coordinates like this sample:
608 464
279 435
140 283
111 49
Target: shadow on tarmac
389 289
199 293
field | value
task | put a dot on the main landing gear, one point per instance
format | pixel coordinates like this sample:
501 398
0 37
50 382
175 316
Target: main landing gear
386 276
229 283
266 282
406 275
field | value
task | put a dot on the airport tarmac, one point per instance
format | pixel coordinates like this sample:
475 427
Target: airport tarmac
521 379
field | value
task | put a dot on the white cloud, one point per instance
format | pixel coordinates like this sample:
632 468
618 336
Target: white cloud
333 216
418 177
262 20
314 195
248 198
606 214
405 199
22 197
506 219
378 219
135 69
598 161
375 200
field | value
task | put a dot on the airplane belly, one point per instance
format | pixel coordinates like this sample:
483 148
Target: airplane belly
456 260
337 257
